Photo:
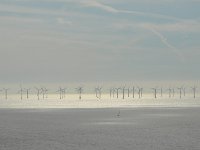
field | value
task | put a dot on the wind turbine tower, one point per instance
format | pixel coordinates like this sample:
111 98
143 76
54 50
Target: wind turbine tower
139 92
6 93
180 91
44 91
155 92
38 92
100 92
63 92
123 92
184 91
21 92
133 92
170 91
80 90
173 92
128 91
194 91
117 90
111 92
60 90
96 92
27 92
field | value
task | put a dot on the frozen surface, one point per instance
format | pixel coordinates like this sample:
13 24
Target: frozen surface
100 129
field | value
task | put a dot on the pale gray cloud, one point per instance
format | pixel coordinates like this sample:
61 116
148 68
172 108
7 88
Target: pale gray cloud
183 26
23 9
170 46
93 3
90 40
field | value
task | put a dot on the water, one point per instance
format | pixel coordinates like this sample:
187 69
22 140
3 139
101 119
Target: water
98 129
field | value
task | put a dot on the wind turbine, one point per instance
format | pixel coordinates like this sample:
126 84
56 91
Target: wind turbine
6 93
133 92
117 90
38 92
194 91
96 92
60 90
139 92
100 91
161 92
155 92
170 91
27 92
128 91
180 91
63 92
79 90
123 92
184 91
21 92
173 91
44 92
111 92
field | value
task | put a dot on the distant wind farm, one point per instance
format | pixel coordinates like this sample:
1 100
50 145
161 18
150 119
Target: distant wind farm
100 92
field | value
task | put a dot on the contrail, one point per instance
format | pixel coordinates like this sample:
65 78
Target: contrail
165 42
96 4
110 9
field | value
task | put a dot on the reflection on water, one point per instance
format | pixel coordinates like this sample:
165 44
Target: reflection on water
112 123
163 115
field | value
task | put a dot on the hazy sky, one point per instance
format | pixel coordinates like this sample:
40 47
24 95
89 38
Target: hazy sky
99 40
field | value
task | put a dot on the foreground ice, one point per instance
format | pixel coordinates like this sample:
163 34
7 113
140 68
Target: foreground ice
100 129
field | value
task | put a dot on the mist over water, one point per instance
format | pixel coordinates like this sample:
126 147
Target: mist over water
91 98
89 87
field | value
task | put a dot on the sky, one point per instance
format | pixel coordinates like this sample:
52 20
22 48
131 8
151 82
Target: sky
99 40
